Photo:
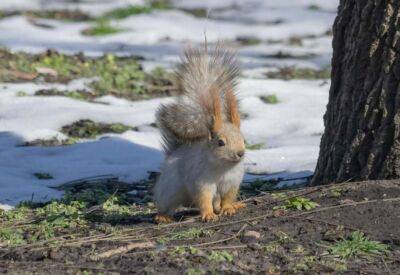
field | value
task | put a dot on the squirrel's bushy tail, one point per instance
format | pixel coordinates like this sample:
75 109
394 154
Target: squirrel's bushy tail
206 84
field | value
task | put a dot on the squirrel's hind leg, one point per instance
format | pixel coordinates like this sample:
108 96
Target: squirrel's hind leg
162 218
166 207
169 192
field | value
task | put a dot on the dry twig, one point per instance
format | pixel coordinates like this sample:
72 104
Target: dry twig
122 250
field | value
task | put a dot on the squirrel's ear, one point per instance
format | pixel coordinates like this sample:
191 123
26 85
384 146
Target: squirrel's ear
232 108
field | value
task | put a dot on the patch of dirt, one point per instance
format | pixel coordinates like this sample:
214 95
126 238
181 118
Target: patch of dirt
86 128
113 75
4 14
50 142
292 72
287 55
66 15
78 94
262 238
248 40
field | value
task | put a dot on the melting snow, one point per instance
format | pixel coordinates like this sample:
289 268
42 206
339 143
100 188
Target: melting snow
289 130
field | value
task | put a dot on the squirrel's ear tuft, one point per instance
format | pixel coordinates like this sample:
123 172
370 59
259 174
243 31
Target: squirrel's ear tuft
232 108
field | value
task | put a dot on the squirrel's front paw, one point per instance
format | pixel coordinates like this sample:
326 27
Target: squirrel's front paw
208 217
228 210
238 205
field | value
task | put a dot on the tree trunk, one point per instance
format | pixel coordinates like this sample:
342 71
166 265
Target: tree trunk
362 121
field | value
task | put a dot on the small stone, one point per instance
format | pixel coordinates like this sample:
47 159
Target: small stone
254 246
279 213
251 236
256 201
347 201
55 254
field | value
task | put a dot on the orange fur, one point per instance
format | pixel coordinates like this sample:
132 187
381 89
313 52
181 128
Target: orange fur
160 218
217 205
232 107
216 109
205 111
205 203
229 205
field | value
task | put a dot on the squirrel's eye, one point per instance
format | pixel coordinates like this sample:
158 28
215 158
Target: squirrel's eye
221 142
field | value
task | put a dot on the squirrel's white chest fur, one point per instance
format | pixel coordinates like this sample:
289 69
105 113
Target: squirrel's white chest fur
188 170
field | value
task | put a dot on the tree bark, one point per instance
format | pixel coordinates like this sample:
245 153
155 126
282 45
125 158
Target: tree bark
362 121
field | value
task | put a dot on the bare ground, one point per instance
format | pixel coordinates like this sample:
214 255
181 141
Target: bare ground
260 239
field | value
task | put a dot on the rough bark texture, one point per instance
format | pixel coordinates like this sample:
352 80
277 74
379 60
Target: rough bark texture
362 122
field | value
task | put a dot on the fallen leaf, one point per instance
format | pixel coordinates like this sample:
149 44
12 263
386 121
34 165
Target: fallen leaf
46 71
23 75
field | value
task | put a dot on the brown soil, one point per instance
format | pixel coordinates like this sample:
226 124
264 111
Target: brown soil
290 242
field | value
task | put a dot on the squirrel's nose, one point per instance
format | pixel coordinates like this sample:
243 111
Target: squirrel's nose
240 154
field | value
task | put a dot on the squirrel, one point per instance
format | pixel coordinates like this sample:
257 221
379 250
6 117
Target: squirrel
203 145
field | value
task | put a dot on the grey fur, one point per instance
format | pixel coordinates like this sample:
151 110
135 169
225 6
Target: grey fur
196 163
187 171
186 120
